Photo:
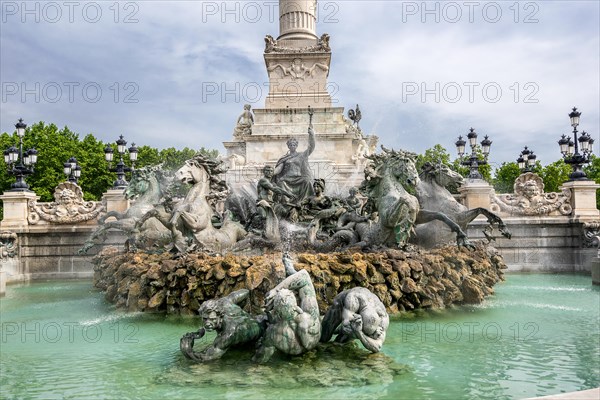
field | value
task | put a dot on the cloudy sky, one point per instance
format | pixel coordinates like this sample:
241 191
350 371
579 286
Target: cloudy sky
422 72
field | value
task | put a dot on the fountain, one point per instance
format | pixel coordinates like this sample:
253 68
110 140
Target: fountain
354 262
216 251
262 262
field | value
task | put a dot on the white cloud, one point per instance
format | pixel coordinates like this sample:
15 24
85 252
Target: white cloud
177 48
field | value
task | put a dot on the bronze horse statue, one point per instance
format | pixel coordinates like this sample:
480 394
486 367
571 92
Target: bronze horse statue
145 192
433 194
190 220
390 181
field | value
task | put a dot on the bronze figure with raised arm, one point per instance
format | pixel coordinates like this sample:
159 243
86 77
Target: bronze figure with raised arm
292 171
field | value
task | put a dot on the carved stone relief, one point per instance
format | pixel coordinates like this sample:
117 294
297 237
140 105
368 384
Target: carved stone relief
591 235
529 199
68 207
298 70
322 46
8 245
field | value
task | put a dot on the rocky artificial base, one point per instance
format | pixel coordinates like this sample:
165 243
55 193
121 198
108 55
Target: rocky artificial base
404 281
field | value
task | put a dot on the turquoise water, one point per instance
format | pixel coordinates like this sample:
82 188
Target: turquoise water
539 335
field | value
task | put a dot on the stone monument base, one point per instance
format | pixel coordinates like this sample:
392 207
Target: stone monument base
338 157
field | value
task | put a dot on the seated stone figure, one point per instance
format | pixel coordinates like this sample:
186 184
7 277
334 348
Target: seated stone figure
233 326
352 202
266 220
321 211
244 123
356 314
292 328
292 171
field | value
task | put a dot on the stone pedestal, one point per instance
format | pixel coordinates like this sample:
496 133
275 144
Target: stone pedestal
115 200
334 159
596 271
16 208
583 198
298 61
476 193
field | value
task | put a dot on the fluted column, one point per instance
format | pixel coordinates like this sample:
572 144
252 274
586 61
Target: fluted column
297 19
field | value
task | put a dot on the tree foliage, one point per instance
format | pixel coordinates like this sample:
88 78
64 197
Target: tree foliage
505 176
434 155
554 175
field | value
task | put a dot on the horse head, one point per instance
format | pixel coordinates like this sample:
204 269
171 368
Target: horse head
191 173
442 175
401 165
143 181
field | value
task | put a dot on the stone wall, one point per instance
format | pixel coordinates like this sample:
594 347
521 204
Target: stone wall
541 244
403 281
50 252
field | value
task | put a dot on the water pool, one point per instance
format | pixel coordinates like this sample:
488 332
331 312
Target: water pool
539 335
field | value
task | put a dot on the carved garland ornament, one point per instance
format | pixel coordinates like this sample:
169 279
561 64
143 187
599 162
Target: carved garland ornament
68 207
529 198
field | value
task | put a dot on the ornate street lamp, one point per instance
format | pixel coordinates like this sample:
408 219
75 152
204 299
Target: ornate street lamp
26 161
570 149
526 160
72 170
473 162
121 168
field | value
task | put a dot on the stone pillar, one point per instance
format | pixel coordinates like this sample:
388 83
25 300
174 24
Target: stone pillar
16 208
297 19
2 283
596 271
476 193
115 200
583 198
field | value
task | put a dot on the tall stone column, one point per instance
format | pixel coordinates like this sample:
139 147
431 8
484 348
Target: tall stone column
297 20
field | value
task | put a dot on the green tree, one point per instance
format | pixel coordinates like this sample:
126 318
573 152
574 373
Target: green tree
554 175
55 146
434 155
505 176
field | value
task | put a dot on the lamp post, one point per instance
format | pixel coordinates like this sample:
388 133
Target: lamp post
473 162
526 160
121 168
26 161
72 170
570 148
